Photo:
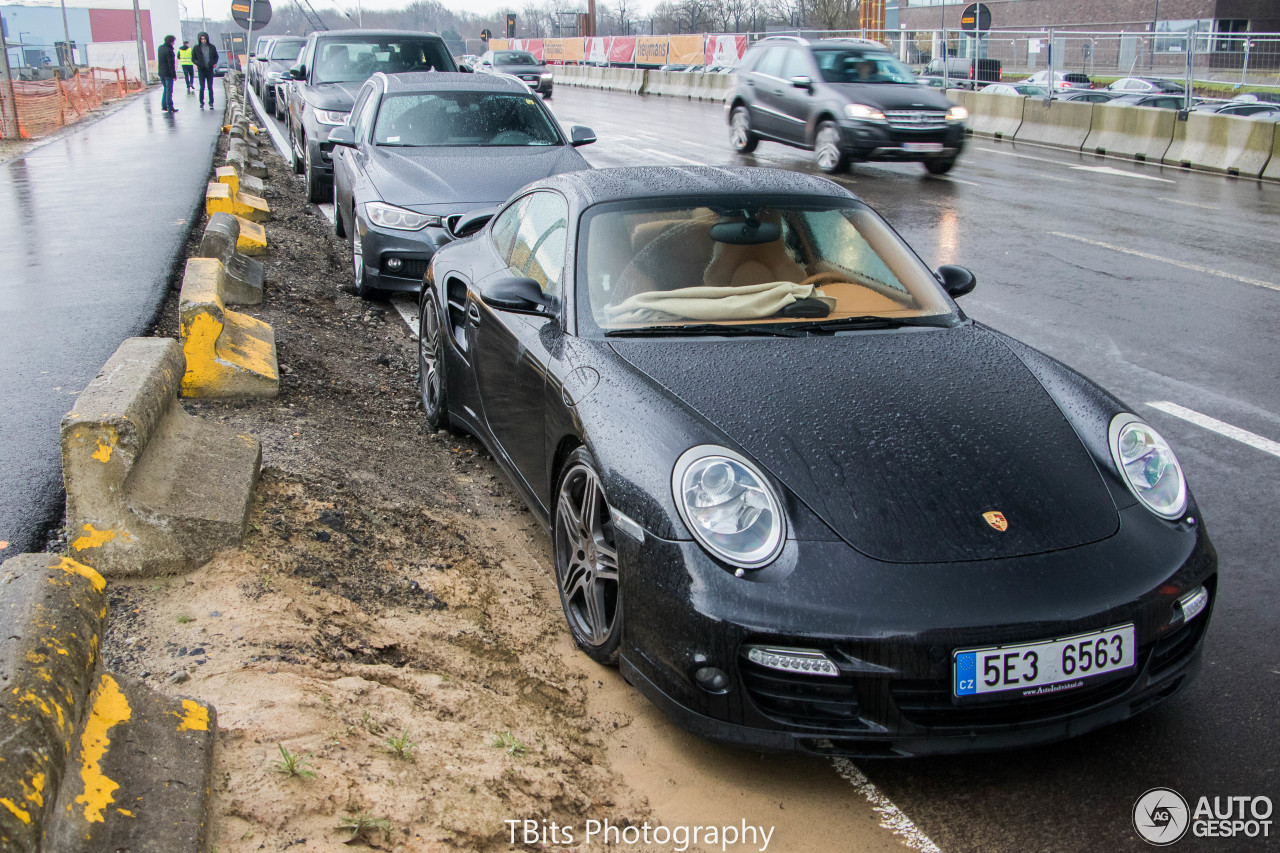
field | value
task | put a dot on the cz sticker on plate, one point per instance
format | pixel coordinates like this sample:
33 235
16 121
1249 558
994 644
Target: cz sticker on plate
1039 669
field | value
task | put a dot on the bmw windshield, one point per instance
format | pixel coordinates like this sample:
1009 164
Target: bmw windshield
464 119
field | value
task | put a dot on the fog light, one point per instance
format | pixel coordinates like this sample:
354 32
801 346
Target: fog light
394 264
1193 603
803 661
711 679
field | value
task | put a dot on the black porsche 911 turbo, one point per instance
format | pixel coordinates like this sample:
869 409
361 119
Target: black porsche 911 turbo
802 499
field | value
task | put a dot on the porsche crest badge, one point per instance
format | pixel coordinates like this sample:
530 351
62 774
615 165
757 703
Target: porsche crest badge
997 520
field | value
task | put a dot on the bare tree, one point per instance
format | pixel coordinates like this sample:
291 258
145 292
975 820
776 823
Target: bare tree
833 14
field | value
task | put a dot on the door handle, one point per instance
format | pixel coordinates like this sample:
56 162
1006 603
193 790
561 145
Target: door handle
473 314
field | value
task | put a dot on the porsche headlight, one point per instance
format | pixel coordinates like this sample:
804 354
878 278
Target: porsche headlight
1148 465
397 218
331 117
728 506
864 112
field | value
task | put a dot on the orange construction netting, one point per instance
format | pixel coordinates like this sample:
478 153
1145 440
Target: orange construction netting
46 105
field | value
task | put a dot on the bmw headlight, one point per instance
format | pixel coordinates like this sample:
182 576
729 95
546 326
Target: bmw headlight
729 506
334 117
397 218
1150 469
957 113
862 111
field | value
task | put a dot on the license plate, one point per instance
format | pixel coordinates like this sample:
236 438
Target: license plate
922 147
1051 666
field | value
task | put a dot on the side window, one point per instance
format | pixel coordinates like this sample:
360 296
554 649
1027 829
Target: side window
505 226
364 112
771 62
795 65
362 98
307 55
541 238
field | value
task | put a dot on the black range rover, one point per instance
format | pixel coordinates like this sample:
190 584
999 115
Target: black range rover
844 99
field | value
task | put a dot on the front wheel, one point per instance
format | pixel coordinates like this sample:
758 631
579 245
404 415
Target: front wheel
431 383
295 160
939 167
357 258
315 183
585 552
338 228
827 152
743 140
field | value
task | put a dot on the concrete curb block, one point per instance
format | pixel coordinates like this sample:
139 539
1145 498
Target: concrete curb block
150 489
996 115
218 198
229 176
1142 133
227 354
240 156
1226 144
252 239
243 276
54 610
1061 124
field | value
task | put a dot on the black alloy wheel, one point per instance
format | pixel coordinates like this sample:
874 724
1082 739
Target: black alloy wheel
586 560
741 137
338 228
431 384
357 257
315 182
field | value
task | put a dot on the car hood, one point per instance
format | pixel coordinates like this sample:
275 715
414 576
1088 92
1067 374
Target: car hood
412 176
900 441
333 96
893 96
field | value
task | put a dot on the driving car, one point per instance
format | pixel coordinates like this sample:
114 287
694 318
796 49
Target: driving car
1062 80
844 99
221 69
1240 108
1163 102
273 68
963 73
1146 85
331 68
520 64
792 489
1021 89
423 149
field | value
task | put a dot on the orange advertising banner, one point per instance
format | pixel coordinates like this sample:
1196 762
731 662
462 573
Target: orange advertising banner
499 44
553 50
575 50
685 50
651 50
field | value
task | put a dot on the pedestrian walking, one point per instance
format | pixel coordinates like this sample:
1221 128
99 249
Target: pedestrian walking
188 70
205 57
166 67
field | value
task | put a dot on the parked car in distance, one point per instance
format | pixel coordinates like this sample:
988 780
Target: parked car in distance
421 150
1092 96
521 64
331 68
221 69
844 99
1233 108
274 66
1023 89
957 68
1163 102
255 62
1062 80
1145 85
931 539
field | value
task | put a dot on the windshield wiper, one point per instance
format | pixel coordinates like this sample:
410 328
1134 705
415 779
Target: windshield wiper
781 330
867 321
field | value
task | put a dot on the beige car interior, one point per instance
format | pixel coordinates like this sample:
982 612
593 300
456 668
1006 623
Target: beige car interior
672 271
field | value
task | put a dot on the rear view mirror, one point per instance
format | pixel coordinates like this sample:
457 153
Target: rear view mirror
579 135
956 281
522 295
466 224
747 233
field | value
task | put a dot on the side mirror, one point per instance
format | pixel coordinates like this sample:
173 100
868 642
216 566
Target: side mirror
579 135
466 224
802 82
298 72
344 135
464 68
542 62
956 281
522 295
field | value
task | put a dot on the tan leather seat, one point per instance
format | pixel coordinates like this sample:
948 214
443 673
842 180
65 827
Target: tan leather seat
736 265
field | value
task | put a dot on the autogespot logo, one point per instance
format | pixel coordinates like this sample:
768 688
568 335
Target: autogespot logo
1160 816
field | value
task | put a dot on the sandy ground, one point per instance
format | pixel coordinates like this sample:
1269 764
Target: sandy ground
393 591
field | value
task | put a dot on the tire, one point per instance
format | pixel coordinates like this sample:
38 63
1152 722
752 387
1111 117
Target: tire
316 189
741 137
295 162
827 153
357 259
939 167
585 553
431 373
338 228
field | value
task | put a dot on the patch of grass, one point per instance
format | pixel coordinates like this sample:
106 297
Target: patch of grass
369 724
362 822
292 764
184 619
401 747
264 581
511 744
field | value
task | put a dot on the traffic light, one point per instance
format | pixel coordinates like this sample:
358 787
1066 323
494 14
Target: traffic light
511 25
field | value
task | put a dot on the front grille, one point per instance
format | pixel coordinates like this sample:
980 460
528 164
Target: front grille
916 119
802 700
1174 649
412 268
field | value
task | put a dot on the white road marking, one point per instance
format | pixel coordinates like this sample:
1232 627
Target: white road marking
277 138
1150 257
891 817
677 157
1190 203
1109 170
1243 436
328 210
959 181
407 308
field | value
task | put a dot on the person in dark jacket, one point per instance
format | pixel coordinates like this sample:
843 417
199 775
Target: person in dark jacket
167 68
205 57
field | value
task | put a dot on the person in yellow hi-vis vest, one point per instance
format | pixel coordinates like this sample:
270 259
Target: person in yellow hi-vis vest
188 69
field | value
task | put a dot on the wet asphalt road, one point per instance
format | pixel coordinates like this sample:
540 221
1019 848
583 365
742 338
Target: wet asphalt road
1052 238
92 224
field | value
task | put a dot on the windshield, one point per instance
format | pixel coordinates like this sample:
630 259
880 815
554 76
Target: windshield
793 262
850 65
355 60
286 50
464 118
514 57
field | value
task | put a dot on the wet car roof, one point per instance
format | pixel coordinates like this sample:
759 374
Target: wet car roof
430 81
627 182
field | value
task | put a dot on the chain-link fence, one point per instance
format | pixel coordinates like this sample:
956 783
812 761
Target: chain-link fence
34 108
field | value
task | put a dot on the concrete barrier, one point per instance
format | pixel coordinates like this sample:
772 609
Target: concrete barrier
242 276
245 161
252 239
996 115
1062 124
227 354
1143 133
569 75
1273 165
712 87
249 184
669 83
89 761
1217 143
218 198
151 490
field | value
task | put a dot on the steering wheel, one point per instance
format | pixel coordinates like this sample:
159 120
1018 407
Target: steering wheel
422 66
826 277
